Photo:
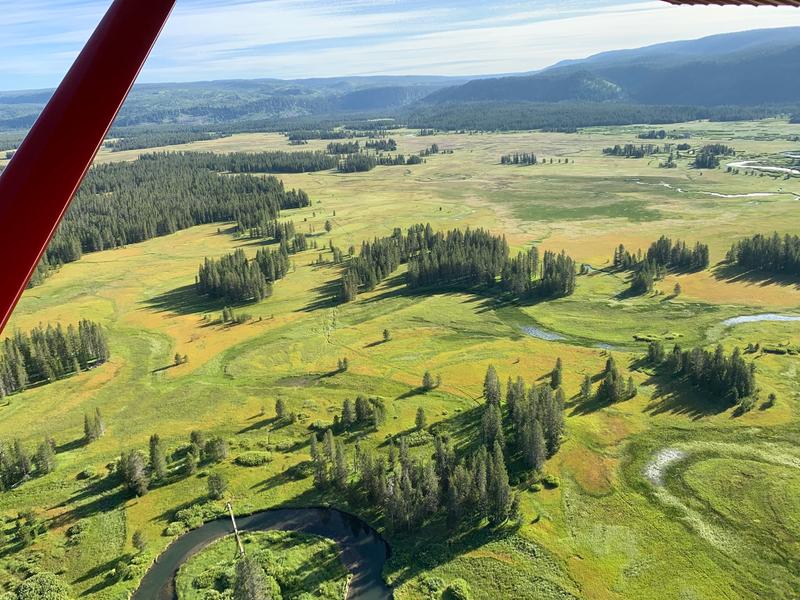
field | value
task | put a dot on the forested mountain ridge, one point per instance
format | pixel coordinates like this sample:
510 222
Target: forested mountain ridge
746 69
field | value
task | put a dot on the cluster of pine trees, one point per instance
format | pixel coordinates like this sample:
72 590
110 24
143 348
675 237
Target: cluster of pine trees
129 202
653 134
385 145
767 253
234 278
705 160
466 259
527 429
517 158
357 163
386 160
613 387
469 258
678 256
344 148
49 353
632 150
708 156
18 465
364 412
431 150
137 471
662 255
729 378
558 275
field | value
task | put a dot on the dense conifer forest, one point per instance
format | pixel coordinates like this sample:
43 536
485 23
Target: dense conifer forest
128 202
769 254
157 139
567 117
48 353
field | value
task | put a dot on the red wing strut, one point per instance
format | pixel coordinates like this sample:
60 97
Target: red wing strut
39 182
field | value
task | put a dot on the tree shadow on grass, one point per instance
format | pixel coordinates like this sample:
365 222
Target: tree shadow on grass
677 397
103 503
72 445
267 422
327 296
186 300
734 274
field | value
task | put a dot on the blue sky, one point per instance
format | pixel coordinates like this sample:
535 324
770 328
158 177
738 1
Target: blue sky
216 39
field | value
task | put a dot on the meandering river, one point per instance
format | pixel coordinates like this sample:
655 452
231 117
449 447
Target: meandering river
363 550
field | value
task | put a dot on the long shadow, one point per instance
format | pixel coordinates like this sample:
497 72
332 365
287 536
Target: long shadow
96 487
417 391
101 504
732 273
259 425
185 300
73 445
98 570
327 296
678 397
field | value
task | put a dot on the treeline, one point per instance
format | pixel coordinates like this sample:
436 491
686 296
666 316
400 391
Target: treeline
632 150
129 202
318 134
466 489
249 162
769 254
729 378
46 354
517 158
389 145
569 116
662 255
465 259
234 278
157 139
356 163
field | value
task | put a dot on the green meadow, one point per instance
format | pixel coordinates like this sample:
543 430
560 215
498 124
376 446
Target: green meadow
721 522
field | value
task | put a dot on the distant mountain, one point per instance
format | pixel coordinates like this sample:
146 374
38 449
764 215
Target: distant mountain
556 86
210 102
746 68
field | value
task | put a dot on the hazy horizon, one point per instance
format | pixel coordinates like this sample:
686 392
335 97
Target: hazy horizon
211 40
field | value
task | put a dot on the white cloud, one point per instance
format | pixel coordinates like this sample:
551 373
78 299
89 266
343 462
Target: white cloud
208 39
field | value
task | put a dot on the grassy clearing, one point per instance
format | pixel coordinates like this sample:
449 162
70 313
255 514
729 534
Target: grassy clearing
304 566
604 533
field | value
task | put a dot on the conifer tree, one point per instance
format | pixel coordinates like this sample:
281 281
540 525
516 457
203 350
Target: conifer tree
491 386
421 420
158 460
